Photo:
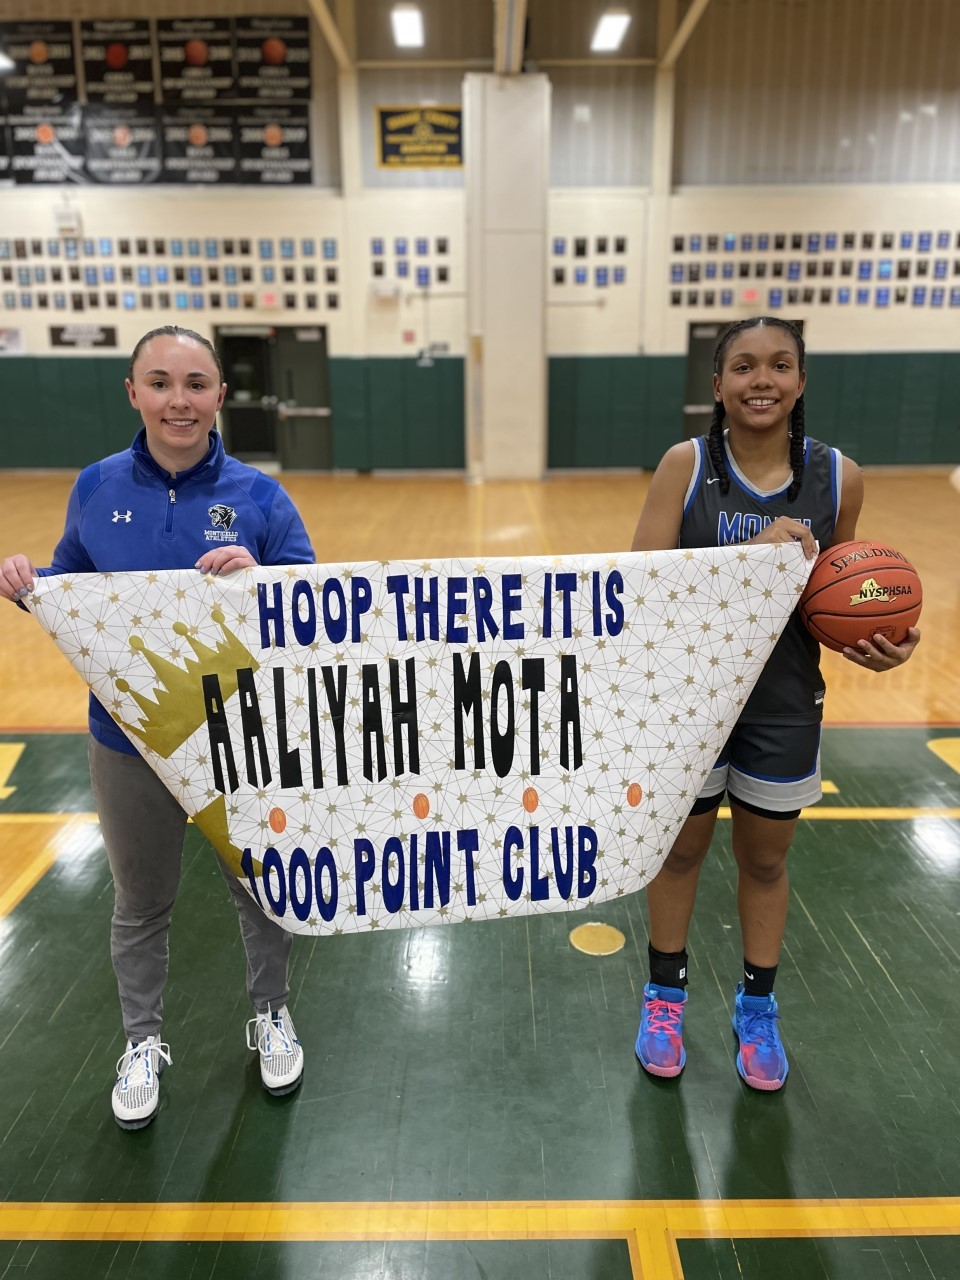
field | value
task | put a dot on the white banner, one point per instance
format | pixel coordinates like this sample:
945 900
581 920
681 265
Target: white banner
393 744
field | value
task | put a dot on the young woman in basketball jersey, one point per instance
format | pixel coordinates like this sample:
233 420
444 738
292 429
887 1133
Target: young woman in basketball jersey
163 504
755 478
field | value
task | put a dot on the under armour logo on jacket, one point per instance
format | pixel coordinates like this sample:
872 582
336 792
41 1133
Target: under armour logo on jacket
125 516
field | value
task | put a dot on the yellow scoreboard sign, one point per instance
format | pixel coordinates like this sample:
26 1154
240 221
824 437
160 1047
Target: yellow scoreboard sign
419 137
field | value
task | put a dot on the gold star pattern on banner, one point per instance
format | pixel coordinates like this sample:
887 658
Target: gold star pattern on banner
656 700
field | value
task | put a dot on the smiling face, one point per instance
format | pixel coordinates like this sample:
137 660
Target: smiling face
761 379
177 390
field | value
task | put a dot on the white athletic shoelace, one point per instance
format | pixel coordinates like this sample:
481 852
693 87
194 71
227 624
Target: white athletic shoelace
136 1068
263 1027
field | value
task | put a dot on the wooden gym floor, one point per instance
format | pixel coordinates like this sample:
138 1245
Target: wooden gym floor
472 1106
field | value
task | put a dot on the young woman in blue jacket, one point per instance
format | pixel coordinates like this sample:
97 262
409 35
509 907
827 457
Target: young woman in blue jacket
173 500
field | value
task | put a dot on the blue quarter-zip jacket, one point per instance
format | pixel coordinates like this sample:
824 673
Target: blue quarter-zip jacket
127 514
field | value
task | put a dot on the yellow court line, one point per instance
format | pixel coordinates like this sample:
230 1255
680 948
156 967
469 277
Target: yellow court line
651 1228
831 813
45 857
841 813
17 889
39 818
40 860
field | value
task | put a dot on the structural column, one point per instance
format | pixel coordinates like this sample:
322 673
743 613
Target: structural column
507 143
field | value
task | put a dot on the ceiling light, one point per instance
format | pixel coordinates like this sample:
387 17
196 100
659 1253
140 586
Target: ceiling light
610 31
407 23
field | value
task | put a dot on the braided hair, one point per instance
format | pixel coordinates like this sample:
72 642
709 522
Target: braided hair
797 428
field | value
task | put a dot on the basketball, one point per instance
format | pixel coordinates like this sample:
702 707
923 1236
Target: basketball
421 805
858 590
277 820
634 794
530 799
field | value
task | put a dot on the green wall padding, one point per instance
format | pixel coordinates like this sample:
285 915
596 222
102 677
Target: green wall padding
63 411
389 413
348 399
604 411
613 411
888 407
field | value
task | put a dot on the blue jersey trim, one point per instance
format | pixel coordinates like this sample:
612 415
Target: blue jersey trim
694 484
801 777
755 493
836 482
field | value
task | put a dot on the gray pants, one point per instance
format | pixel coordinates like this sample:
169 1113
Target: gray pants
143 829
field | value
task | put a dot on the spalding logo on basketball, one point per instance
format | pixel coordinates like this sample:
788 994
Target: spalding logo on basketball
858 590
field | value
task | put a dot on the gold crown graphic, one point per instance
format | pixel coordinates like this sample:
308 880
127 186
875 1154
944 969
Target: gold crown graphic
212 821
179 709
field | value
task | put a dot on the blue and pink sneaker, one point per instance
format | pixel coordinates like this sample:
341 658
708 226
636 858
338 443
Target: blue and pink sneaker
761 1061
660 1038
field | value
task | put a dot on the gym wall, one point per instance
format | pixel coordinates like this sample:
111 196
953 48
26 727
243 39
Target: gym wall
874 152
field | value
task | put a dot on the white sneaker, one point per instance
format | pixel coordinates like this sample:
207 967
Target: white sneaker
136 1095
274 1036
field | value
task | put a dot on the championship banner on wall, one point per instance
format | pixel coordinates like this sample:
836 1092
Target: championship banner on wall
419 137
121 145
199 145
273 58
117 55
196 59
274 145
47 146
44 70
390 745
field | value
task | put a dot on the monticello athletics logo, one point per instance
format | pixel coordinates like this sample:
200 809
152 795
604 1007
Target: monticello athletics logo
222 518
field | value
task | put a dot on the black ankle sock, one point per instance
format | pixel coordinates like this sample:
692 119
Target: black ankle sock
758 981
667 968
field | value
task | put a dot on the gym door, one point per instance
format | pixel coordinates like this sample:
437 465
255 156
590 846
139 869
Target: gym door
278 395
702 339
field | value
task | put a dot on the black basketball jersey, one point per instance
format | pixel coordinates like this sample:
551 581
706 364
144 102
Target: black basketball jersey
790 688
